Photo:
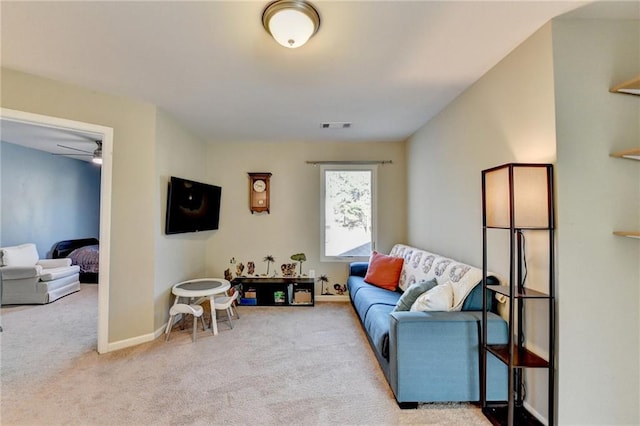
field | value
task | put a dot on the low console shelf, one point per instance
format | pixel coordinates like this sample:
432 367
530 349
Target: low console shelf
275 291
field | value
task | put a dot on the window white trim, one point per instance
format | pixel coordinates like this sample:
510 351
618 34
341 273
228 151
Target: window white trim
373 168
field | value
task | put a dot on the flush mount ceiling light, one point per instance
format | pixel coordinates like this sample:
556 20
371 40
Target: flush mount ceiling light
291 22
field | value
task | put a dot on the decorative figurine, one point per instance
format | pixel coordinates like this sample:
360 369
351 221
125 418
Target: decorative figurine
288 269
339 288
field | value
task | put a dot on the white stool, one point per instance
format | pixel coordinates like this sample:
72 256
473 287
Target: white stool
224 303
184 309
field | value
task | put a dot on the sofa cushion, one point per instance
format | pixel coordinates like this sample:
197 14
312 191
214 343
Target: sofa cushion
56 273
439 298
377 327
384 271
413 292
22 255
54 263
369 296
354 284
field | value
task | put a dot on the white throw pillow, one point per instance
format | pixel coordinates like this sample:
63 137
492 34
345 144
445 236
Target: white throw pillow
22 255
439 298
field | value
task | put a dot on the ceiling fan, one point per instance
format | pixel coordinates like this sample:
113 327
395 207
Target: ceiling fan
96 154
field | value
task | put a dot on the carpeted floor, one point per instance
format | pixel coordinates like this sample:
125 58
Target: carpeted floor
277 366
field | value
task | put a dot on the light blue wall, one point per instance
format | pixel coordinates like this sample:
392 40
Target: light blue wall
46 198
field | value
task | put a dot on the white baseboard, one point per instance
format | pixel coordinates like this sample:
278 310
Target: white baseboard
122 344
321 298
159 332
127 343
535 414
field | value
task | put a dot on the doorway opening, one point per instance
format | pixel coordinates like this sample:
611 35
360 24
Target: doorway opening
105 134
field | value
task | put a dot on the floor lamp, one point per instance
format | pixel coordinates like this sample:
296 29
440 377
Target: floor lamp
518 197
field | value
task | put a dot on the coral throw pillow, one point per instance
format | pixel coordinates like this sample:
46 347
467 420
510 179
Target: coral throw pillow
384 271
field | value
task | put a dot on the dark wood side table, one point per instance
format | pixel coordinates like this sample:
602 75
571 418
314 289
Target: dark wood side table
275 291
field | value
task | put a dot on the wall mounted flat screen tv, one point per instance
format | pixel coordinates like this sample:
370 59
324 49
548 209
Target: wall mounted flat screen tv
192 206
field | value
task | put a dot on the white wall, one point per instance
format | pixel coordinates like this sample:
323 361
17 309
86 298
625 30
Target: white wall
561 74
506 116
182 256
599 273
293 226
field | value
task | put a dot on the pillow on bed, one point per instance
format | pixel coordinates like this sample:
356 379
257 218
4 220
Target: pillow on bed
384 271
412 293
439 298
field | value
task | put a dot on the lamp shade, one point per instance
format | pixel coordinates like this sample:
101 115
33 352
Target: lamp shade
291 23
518 196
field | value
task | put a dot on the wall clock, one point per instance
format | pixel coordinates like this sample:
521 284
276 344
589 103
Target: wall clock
259 192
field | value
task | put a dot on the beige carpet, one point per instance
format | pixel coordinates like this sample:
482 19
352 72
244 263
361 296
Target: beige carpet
277 366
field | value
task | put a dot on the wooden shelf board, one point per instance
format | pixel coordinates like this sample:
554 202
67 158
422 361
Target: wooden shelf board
631 87
630 234
526 293
521 357
530 228
631 154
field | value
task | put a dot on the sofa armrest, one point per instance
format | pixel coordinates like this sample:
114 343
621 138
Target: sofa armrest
358 269
20 272
435 355
54 263
422 328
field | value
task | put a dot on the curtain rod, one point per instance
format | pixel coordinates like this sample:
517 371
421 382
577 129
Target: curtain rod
351 162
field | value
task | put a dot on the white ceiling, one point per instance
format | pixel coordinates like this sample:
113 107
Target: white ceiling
385 66
73 144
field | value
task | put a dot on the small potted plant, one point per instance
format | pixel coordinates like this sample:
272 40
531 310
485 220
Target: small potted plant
299 257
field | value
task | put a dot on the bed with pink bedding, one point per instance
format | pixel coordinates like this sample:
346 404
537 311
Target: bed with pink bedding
82 252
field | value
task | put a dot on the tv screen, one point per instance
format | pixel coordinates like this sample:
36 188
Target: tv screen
192 206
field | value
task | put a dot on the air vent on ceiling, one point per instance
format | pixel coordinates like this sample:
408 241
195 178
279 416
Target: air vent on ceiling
336 125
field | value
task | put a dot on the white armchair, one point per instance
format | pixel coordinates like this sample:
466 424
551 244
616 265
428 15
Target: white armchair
27 279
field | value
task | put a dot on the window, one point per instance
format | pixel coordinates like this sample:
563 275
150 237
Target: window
348 216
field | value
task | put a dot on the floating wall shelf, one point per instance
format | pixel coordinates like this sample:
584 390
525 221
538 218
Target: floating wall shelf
630 234
631 154
631 87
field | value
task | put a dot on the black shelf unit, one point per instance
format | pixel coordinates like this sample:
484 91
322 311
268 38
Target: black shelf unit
515 354
275 291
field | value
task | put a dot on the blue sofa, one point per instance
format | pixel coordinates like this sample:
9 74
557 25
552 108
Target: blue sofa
430 356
